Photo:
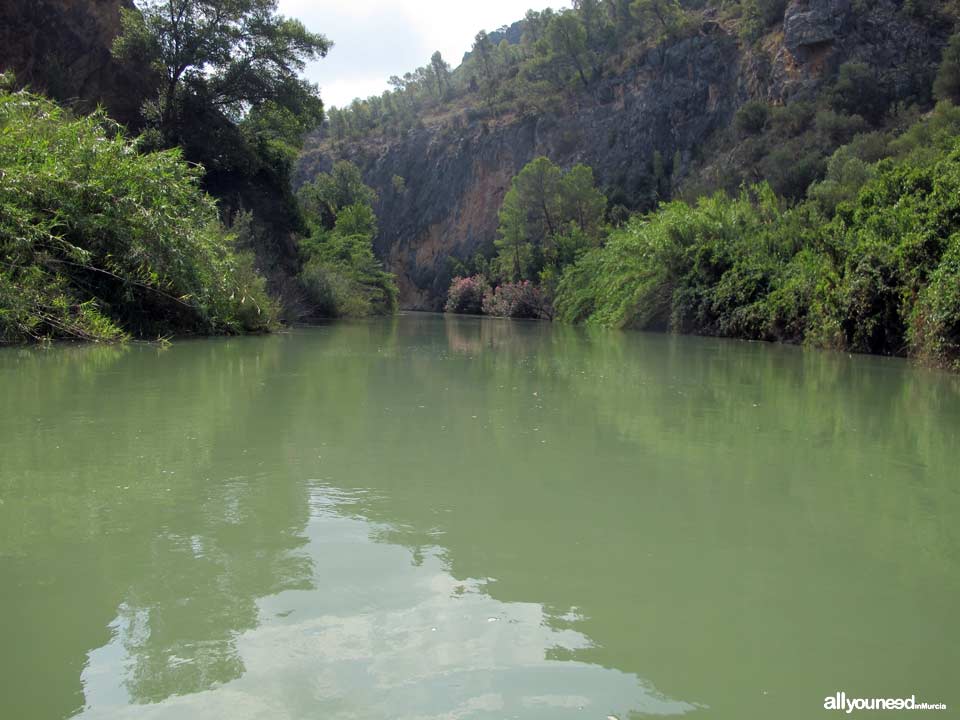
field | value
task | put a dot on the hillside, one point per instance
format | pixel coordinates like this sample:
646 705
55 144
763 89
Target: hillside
650 108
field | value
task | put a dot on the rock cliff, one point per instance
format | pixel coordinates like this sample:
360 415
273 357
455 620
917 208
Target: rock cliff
669 102
62 48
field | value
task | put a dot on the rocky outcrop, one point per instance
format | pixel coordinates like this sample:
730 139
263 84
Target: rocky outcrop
62 48
821 35
811 23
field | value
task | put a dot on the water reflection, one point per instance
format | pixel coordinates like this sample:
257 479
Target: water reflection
455 517
420 644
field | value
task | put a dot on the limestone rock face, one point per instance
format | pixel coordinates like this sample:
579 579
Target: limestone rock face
62 48
808 23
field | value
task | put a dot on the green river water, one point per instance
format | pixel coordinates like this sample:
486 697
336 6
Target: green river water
452 518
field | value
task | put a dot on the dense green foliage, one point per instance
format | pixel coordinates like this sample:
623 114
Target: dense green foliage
236 56
547 219
876 270
99 240
341 274
226 89
861 256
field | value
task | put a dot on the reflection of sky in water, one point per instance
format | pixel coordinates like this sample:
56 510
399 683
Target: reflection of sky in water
380 636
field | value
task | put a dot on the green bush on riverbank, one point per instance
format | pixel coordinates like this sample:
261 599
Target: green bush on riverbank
879 275
341 276
868 262
99 241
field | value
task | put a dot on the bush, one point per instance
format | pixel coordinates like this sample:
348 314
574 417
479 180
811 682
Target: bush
517 300
947 84
934 333
858 91
751 118
341 276
466 295
790 170
99 240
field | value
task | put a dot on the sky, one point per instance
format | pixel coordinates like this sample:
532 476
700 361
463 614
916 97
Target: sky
374 39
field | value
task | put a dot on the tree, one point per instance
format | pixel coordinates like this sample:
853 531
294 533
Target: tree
758 15
620 15
441 73
546 220
658 18
514 249
858 91
582 202
538 186
535 26
947 84
568 39
483 49
599 29
341 275
751 118
233 55
342 187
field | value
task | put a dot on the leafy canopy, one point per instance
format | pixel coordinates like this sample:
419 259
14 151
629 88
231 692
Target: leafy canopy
547 218
235 55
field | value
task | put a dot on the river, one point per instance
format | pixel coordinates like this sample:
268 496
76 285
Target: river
437 517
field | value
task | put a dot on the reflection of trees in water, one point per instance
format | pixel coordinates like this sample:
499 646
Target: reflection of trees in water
620 479
169 488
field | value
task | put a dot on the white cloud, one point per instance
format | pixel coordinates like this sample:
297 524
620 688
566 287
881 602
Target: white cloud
375 39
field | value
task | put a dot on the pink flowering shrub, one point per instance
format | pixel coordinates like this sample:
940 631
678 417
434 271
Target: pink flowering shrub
517 300
466 295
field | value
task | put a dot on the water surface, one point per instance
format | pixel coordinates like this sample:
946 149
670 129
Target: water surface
431 517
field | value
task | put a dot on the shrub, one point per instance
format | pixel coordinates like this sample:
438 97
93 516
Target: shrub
343 278
751 118
858 91
466 295
934 333
947 84
790 170
99 240
517 300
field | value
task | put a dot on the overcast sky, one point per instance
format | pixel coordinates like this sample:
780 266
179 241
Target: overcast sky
375 39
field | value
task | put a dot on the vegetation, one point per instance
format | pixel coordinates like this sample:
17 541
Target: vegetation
341 274
99 240
541 63
861 256
102 238
466 295
227 91
547 219
517 300
876 271
549 55
237 57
